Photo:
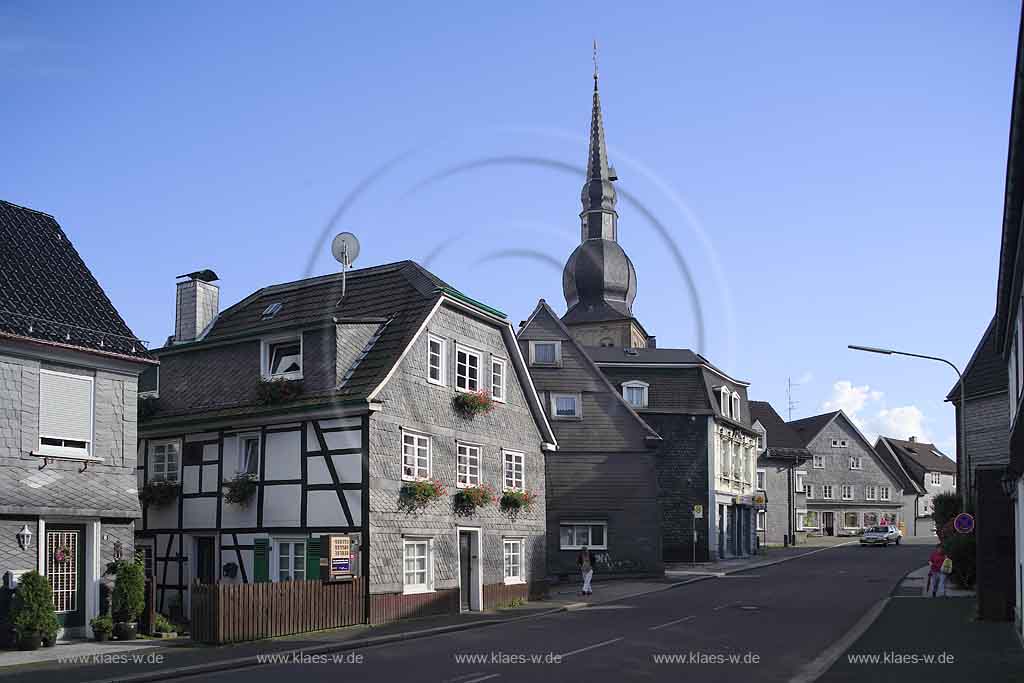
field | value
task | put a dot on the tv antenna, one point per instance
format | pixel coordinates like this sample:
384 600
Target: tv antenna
790 401
345 249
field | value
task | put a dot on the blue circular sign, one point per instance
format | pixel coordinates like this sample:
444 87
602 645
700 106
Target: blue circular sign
964 523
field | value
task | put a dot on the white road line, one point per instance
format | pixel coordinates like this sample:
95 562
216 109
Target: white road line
670 623
728 604
482 678
460 679
590 647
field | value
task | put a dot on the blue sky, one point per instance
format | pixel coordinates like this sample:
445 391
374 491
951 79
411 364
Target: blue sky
829 174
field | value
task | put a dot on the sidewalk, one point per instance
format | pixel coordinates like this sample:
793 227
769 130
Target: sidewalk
918 638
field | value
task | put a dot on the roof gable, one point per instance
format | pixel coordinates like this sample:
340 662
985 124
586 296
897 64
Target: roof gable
781 439
919 457
986 371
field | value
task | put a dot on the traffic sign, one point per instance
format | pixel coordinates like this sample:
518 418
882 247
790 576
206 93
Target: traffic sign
698 512
964 523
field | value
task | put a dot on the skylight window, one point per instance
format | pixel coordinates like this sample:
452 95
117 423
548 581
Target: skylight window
271 310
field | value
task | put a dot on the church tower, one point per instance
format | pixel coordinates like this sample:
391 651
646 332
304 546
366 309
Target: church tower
599 281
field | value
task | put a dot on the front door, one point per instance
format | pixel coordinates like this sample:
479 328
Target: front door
465 569
65 568
206 565
828 523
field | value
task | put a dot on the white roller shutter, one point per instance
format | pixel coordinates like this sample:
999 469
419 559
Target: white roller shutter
65 406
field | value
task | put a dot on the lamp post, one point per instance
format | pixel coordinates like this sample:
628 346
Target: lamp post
963 400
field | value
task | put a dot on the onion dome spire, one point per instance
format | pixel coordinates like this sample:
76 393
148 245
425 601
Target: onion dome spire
599 218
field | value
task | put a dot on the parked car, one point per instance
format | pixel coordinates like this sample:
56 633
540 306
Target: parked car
881 535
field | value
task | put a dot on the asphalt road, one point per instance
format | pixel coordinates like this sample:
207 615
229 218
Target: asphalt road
766 625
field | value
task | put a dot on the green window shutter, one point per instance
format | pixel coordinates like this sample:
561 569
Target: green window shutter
261 560
313 558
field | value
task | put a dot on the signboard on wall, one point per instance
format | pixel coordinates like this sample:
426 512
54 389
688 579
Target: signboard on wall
698 512
338 557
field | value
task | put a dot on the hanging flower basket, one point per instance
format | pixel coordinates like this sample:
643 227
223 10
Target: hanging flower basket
469 404
512 503
61 555
240 490
159 493
416 495
271 391
466 501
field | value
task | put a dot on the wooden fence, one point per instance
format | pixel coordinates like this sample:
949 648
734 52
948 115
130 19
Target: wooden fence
231 613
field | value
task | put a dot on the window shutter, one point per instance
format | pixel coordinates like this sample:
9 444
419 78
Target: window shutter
261 560
313 558
65 406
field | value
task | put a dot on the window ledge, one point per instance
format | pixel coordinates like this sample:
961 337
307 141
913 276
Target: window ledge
55 455
417 591
515 582
287 376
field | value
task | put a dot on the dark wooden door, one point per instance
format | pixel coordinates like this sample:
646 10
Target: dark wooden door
65 569
206 565
465 569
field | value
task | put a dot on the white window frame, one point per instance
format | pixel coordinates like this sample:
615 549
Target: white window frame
818 462
275 556
151 455
442 368
577 398
801 475
859 460
828 492
802 520
510 458
514 548
762 520
846 491
936 478
760 479
809 491
843 443
503 364
857 524
267 343
578 546
734 407
463 476
70 452
644 392
416 476
724 400
884 493
469 352
871 492
428 566
242 438
533 352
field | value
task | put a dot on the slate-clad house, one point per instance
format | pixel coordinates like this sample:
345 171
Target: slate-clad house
931 473
781 471
601 479
848 486
705 455
69 368
370 379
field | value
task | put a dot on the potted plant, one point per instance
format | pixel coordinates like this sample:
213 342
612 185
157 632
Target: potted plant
469 404
240 489
102 627
32 614
164 628
467 500
159 493
513 502
416 495
129 598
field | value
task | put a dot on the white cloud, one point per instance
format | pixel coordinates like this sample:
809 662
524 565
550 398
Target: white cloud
867 408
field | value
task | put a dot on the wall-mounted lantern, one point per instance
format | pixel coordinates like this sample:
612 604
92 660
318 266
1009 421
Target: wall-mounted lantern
24 537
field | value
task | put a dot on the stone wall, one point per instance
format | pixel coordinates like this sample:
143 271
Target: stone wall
682 483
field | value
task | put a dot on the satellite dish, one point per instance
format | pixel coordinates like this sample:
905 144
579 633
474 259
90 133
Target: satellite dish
345 249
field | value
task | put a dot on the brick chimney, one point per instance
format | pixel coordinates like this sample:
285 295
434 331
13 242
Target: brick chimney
196 304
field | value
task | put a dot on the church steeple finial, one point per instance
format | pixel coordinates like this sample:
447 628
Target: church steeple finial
599 218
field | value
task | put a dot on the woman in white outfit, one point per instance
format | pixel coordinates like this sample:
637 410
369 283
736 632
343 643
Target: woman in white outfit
585 561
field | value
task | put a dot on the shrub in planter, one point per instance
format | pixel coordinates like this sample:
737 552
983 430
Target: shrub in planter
514 502
159 493
469 404
961 549
129 598
416 495
240 490
164 625
32 614
102 627
945 508
271 391
466 501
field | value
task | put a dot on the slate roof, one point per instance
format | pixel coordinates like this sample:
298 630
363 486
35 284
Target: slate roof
49 295
57 490
985 372
400 294
808 427
888 458
919 457
782 440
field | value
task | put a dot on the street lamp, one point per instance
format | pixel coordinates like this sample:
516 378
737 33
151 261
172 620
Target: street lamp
963 398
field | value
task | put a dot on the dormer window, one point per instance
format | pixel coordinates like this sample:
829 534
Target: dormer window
762 437
282 358
723 401
271 310
735 412
635 393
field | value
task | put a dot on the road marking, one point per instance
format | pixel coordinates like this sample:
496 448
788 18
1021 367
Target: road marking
670 623
482 678
591 647
458 679
728 604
